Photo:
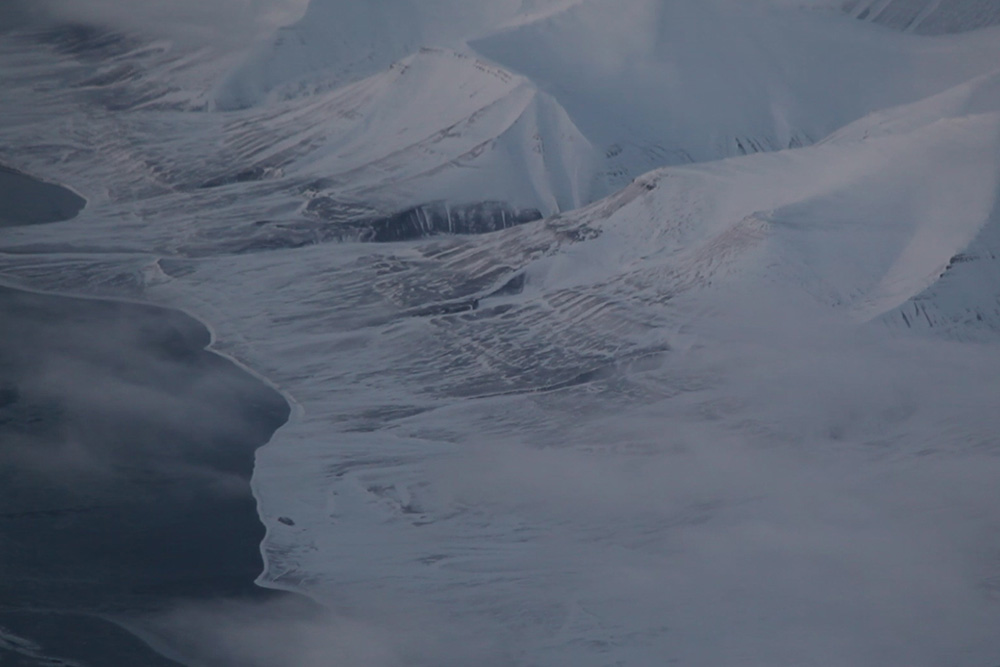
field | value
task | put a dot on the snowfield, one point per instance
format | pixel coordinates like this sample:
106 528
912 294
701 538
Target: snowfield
730 401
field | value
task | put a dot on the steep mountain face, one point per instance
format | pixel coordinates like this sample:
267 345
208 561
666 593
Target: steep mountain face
927 17
546 124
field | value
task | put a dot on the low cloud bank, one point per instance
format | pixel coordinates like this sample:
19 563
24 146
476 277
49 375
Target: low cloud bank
229 22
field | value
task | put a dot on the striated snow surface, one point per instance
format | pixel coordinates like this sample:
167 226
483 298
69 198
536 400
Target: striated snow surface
740 410
435 125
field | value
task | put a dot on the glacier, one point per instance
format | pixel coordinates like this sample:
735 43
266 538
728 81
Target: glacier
724 394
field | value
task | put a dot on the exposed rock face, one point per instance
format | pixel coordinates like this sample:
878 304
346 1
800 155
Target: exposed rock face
430 220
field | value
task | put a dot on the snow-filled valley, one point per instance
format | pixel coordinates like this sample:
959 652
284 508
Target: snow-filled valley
617 332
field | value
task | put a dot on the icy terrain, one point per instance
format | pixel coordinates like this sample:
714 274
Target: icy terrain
730 401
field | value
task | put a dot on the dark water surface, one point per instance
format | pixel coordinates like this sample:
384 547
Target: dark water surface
126 451
25 200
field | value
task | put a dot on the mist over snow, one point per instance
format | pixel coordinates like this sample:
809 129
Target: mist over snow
617 332
226 21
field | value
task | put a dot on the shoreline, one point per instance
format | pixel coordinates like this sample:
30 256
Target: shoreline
164 516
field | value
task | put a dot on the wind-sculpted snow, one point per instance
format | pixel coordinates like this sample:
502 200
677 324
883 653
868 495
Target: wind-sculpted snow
736 412
962 289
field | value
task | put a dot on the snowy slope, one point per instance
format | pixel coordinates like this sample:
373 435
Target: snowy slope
725 415
694 81
660 433
860 223
962 290
348 40
435 125
513 110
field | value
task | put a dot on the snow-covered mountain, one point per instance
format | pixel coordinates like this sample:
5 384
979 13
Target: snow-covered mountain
710 377
344 41
509 92
435 125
